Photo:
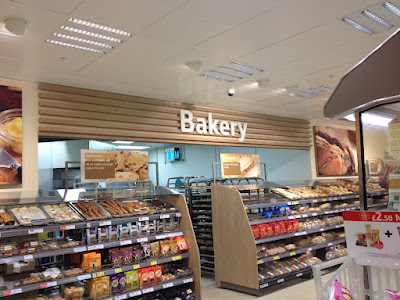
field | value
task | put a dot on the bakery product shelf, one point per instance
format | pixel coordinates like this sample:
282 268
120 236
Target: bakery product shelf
66 280
299 251
89 247
159 287
69 226
285 278
290 235
301 216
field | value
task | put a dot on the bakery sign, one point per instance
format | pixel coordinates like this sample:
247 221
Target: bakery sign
211 126
110 165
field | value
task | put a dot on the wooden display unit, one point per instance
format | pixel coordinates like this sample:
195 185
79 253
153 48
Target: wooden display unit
234 247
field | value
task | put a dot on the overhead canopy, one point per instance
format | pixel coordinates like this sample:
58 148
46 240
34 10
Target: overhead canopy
377 76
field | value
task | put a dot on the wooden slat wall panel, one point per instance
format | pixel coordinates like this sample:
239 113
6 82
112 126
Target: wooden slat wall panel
79 113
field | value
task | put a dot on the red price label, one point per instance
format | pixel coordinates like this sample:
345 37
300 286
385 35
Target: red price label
378 245
43 285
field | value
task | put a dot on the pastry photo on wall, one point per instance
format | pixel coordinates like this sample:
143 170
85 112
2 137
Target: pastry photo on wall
10 135
335 151
240 165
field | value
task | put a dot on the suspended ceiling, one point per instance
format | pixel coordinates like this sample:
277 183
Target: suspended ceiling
295 42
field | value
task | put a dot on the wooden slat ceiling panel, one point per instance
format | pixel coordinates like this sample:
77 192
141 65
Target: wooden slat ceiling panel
79 113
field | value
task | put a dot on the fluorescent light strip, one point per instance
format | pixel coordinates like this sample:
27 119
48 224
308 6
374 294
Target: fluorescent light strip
131 147
123 142
234 70
300 95
215 77
226 74
88 33
393 8
357 26
247 66
98 26
73 46
371 119
377 19
327 87
76 39
309 93
319 91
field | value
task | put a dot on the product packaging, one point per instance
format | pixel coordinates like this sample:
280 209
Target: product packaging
143 227
182 245
165 247
152 227
146 250
155 249
143 277
123 231
113 233
132 280
339 292
127 255
158 274
267 212
256 231
102 234
121 283
114 284
91 236
152 275
160 225
394 295
134 229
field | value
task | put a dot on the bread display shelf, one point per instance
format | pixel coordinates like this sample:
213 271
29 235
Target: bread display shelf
93 247
295 234
159 287
50 228
201 213
299 251
286 278
106 272
301 216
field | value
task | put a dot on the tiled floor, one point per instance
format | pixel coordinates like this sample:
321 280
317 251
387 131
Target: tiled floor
298 289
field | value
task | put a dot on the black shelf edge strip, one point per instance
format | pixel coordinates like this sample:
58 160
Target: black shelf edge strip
286 278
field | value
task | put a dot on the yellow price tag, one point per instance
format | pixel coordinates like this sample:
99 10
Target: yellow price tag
295 202
135 267
245 208
100 274
177 258
276 257
315 201
324 199
343 198
153 263
119 270
259 262
292 253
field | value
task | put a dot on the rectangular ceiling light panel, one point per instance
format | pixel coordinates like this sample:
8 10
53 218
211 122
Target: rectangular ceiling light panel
84 35
231 72
314 92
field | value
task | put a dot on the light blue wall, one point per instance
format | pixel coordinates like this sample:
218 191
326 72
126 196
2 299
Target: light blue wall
282 164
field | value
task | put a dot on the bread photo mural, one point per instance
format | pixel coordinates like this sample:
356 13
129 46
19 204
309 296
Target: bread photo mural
335 151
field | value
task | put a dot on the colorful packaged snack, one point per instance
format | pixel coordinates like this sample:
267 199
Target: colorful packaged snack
155 249
152 227
129 281
143 227
289 227
277 229
113 233
393 295
283 226
339 292
146 250
114 284
160 225
102 234
165 247
135 279
173 247
91 236
137 254
267 212
123 231
127 255
256 231
95 262
86 261
105 280
182 245
296 225
270 230
122 283
134 229
158 274
152 275
143 277
263 231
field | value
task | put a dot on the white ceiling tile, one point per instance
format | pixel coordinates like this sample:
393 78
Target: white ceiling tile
59 6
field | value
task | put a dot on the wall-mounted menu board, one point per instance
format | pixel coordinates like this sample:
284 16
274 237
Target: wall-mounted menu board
240 165
99 165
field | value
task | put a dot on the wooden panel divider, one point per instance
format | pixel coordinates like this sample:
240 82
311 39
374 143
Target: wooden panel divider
80 113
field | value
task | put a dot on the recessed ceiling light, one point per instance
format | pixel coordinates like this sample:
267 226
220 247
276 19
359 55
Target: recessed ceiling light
98 26
92 34
309 93
247 66
123 142
377 19
393 8
226 74
215 77
235 70
371 119
291 90
357 26
131 147
263 83
73 46
194 64
77 39
300 95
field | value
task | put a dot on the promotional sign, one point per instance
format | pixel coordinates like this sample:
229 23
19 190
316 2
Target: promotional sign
373 238
10 135
335 151
240 165
99 165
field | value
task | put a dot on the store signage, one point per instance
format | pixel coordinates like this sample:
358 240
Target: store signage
211 126
240 165
373 237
